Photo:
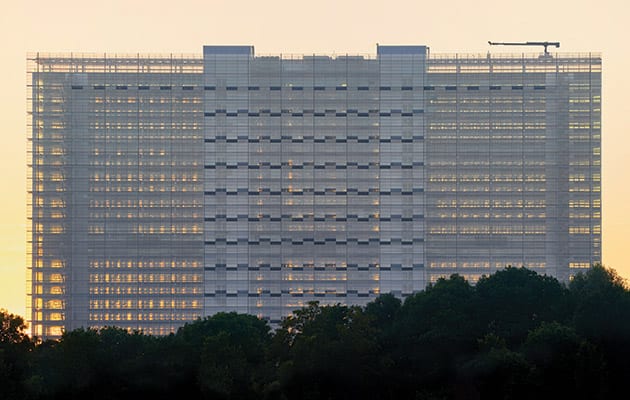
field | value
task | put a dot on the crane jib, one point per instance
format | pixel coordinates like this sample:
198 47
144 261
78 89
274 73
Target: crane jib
544 44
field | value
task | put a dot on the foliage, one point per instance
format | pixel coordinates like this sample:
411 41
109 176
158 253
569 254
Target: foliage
513 335
15 346
514 301
12 329
330 353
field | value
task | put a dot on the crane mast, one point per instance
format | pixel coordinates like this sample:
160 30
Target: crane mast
544 44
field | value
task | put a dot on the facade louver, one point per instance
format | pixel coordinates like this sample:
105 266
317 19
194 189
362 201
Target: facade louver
167 188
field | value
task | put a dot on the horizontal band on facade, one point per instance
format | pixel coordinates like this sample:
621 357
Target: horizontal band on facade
391 139
331 165
303 192
288 218
340 242
303 88
328 266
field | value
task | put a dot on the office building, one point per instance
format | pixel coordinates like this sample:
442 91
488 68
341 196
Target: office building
171 187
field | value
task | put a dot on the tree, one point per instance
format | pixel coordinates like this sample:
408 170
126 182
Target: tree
496 372
434 330
110 363
601 303
514 301
331 352
15 346
445 308
226 353
565 365
382 312
515 335
12 329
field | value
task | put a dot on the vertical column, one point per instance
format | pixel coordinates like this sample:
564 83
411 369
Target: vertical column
265 188
583 146
226 75
595 162
362 174
78 181
52 226
402 70
556 166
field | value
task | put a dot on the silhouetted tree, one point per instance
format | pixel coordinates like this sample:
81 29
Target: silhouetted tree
110 363
14 348
513 301
601 302
515 335
331 353
435 329
225 354
558 355
496 372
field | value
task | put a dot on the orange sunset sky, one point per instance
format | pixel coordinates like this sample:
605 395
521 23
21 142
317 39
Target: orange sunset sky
322 26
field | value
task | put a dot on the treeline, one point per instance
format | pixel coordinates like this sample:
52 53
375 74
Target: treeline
514 335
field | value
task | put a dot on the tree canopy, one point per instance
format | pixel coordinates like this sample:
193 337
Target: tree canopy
513 335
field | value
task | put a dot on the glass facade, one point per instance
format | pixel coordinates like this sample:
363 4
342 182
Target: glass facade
117 199
513 164
166 188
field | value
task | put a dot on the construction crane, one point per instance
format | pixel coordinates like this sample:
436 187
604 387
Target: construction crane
545 44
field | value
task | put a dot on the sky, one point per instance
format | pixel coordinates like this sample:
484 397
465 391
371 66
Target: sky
301 27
